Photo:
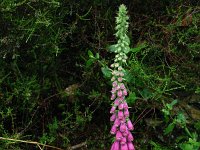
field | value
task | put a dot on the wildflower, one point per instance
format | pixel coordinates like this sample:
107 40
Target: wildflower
123 127
120 114
125 105
126 113
122 86
123 140
114 84
124 147
121 106
113 130
124 92
119 93
130 137
113 117
116 102
113 96
115 146
112 110
117 122
130 125
125 133
130 146
122 124
119 135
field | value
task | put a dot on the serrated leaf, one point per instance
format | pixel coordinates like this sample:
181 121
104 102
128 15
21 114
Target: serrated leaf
169 128
106 71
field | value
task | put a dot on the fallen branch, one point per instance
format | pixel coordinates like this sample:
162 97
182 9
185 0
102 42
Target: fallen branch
44 145
78 146
30 142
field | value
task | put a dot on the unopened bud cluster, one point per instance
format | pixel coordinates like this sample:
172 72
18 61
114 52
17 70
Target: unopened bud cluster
122 125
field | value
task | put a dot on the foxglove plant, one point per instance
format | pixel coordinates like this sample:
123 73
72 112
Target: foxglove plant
122 125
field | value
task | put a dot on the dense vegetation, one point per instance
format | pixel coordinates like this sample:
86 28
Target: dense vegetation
55 81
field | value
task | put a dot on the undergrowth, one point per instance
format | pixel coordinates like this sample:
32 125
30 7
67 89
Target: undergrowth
54 73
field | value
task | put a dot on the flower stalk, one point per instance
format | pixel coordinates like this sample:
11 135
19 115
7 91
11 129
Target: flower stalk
122 125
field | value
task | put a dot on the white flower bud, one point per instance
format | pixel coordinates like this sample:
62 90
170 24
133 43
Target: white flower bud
120 58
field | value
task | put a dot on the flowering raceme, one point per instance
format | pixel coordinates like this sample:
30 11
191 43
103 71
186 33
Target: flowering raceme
122 125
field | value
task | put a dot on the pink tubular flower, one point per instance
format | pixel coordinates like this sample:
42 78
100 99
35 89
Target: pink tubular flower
124 147
123 127
113 117
130 146
123 140
130 137
113 129
117 87
120 115
115 146
114 84
122 86
125 133
121 106
121 98
113 91
116 102
126 113
125 105
117 122
123 120
119 93
125 92
112 97
119 135
130 125
112 110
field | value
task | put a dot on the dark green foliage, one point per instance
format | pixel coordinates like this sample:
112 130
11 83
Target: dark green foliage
54 74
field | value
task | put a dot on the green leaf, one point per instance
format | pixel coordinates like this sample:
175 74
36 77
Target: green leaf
169 128
106 72
131 98
146 93
138 48
128 77
90 54
186 146
173 102
97 56
197 126
89 63
112 48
